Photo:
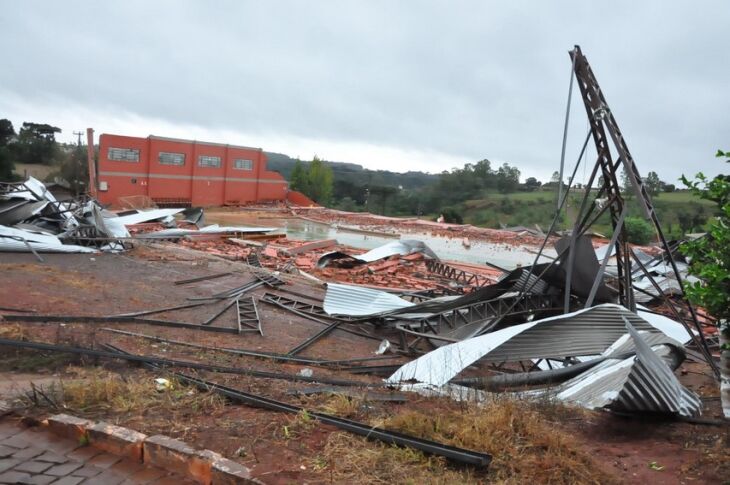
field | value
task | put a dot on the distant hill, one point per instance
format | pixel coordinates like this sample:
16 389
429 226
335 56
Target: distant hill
356 174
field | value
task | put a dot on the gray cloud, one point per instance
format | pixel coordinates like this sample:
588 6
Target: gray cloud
465 79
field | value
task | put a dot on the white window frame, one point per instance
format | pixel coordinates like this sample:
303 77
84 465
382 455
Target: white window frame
171 158
243 164
209 161
130 155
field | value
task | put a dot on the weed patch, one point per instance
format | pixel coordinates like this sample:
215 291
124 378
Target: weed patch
96 392
525 445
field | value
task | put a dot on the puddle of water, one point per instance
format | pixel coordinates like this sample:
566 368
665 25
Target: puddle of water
503 255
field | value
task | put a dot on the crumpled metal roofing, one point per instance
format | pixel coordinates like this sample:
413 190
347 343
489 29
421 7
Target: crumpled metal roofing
146 215
641 383
11 240
586 332
36 191
359 301
669 285
402 247
13 211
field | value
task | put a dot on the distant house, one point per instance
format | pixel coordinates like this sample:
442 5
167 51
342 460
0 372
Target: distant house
60 190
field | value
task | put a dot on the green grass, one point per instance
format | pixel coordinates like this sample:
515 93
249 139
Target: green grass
684 196
530 208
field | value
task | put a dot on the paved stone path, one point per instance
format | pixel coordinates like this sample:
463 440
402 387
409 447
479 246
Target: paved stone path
36 456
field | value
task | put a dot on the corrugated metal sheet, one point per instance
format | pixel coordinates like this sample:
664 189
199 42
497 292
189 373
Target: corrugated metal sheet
17 210
652 386
583 333
669 286
402 247
148 215
358 301
530 281
643 383
45 243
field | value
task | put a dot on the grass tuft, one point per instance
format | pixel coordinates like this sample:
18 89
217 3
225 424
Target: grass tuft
341 405
520 436
95 392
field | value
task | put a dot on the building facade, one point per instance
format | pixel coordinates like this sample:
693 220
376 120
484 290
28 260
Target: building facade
171 171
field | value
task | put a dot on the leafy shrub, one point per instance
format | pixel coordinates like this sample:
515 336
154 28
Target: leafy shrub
638 230
451 215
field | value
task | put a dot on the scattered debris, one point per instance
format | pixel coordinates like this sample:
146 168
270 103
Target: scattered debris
32 220
572 329
402 247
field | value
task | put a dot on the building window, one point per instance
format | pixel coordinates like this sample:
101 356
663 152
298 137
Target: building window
167 158
207 161
241 164
123 154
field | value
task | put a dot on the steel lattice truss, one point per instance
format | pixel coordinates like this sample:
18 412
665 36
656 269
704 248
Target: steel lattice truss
435 327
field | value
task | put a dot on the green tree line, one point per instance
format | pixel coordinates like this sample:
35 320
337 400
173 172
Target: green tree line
35 143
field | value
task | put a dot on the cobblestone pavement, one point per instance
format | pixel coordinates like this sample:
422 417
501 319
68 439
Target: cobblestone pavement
36 456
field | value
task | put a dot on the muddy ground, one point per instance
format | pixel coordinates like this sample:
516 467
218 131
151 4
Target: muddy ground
278 447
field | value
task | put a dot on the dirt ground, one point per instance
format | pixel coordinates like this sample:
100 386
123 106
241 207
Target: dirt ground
278 447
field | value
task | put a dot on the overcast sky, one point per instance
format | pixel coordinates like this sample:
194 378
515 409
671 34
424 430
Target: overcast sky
388 84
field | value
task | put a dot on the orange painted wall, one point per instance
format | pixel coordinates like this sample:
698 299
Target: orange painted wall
188 183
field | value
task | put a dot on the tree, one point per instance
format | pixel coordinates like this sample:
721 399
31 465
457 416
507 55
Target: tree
298 180
6 165
508 178
625 181
7 133
685 221
347 204
319 181
74 169
710 262
452 216
383 193
484 174
532 184
638 231
652 183
37 144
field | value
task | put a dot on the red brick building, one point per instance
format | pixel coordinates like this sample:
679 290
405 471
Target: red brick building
185 172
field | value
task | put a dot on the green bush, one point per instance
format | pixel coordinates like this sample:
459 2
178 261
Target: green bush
638 230
451 215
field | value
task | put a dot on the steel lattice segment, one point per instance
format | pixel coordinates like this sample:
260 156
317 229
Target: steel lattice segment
248 316
311 309
436 328
459 275
601 120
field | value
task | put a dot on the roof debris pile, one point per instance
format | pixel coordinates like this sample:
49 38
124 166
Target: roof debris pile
601 328
405 263
364 221
32 220
471 323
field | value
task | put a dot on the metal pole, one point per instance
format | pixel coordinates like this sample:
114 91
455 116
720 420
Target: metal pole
599 276
565 138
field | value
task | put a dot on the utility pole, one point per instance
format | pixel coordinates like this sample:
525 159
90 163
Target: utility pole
78 134
92 164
